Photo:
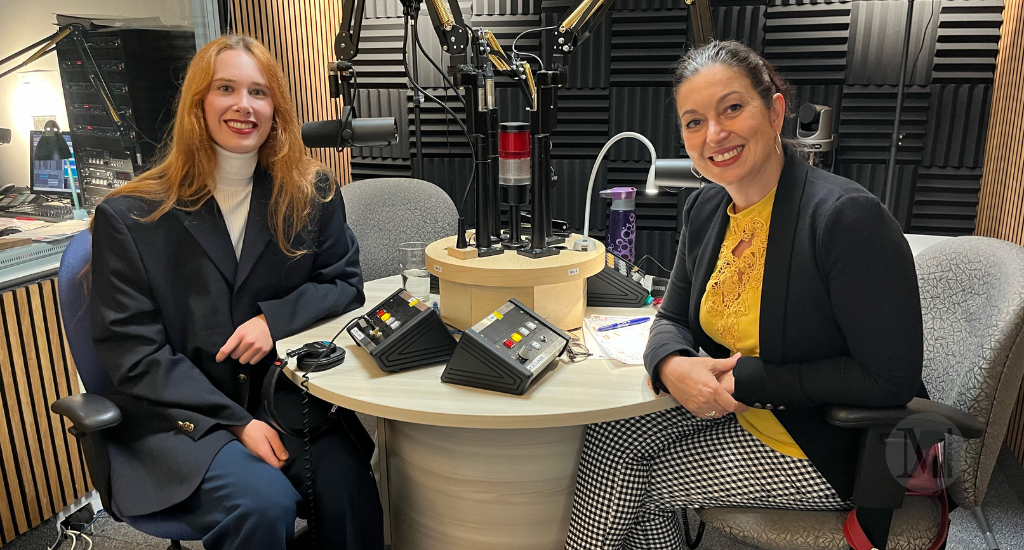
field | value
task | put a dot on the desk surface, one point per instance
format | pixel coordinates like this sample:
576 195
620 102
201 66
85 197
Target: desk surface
566 394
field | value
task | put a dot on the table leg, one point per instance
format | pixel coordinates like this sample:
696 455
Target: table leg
467 488
381 469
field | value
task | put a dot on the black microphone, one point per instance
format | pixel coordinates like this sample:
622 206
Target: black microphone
357 132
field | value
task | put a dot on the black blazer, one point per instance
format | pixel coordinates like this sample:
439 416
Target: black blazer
166 295
840 311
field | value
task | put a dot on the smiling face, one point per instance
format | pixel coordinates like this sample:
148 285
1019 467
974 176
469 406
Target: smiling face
238 108
727 130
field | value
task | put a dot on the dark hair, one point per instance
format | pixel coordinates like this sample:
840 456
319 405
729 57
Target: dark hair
763 78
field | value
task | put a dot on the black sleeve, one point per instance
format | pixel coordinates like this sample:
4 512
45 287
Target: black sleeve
872 283
670 331
131 343
335 283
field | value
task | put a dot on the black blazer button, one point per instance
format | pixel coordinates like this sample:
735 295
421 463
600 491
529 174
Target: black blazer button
768 406
781 408
757 405
242 378
187 426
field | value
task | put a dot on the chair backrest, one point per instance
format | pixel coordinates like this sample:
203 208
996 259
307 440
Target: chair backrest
386 212
972 299
73 284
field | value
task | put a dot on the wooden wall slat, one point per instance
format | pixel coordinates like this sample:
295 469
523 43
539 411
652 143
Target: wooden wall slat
24 425
1001 200
300 34
41 465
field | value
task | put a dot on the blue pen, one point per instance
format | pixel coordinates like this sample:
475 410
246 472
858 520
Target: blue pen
629 323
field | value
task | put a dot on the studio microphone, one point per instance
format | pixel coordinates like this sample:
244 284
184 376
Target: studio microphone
350 131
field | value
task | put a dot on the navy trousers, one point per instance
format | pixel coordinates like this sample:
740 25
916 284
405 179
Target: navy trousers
245 503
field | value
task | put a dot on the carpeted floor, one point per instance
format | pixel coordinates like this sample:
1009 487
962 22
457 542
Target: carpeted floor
1004 507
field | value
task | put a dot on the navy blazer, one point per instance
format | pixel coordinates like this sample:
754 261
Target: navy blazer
840 310
166 296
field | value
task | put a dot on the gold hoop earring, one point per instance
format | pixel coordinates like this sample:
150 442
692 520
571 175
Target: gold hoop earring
695 173
778 147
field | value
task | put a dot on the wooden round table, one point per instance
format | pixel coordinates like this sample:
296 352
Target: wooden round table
464 468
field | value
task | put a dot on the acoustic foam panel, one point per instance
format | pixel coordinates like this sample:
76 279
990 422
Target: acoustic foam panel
649 111
582 123
646 45
958 117
807 43
442 136
866 123
968 41
589 66
876 42
872 177
946 201
379 63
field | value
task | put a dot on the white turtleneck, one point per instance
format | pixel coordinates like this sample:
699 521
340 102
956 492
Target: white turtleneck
233 190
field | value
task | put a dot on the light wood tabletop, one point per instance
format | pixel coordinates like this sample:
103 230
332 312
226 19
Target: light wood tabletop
566 394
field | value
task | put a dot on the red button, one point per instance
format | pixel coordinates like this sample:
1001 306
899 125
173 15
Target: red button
509 343
380 313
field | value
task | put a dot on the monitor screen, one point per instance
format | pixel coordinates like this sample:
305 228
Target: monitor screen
51 176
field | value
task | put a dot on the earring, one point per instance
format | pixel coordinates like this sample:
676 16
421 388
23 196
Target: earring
695 173
778 147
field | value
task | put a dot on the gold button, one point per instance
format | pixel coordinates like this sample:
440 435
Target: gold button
242 378
187 426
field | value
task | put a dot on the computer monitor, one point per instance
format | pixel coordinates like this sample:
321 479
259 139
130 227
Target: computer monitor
51 176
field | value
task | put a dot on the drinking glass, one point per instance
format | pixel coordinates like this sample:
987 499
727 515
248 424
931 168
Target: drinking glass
412 260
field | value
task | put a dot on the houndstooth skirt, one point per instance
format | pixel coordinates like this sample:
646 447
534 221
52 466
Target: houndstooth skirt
635 473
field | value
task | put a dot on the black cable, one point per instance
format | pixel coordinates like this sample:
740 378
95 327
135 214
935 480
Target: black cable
515 51
924 40
307 443
640 263
447 81
416 86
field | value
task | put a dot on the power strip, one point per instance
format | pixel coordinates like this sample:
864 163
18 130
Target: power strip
91 499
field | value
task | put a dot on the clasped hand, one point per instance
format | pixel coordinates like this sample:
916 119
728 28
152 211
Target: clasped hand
701 384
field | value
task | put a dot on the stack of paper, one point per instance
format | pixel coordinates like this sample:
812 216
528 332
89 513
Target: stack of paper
624 344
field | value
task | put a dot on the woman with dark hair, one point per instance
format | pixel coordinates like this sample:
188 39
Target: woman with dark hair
236 238
801 290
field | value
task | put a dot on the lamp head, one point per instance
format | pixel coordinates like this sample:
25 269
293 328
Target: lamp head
671 173
51 145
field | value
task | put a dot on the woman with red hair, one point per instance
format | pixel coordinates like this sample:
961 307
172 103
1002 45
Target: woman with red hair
236 238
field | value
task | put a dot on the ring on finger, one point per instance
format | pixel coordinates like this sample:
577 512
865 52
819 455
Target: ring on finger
711 414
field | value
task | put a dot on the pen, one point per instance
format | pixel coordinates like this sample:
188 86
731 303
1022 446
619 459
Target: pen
628 323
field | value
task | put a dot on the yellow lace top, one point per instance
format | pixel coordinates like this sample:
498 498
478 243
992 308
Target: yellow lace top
730 311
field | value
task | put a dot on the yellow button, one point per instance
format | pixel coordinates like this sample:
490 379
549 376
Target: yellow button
516 336
413 302
498 315
385 317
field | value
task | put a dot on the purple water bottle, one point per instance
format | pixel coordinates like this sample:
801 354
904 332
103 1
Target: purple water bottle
622 222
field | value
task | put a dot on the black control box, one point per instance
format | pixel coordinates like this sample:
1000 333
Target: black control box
619 284
402 333
506 351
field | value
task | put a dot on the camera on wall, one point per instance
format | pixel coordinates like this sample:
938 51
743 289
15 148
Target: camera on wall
815 133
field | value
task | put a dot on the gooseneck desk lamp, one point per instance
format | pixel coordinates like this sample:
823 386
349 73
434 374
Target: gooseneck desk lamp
52 146
663 173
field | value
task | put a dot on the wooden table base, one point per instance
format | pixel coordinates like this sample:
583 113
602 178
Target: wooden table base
468 488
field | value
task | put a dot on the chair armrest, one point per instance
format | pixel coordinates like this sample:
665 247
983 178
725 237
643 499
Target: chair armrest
88 412
919 413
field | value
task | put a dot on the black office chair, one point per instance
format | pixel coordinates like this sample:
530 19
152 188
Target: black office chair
91 413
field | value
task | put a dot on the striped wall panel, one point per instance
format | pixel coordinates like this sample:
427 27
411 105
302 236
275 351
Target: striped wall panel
43 468
807 43
957 119
968 40
300 34
1001 200
876 41
744 23
945 201
648 111
645 46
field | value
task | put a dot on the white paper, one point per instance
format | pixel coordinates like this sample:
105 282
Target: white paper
624 344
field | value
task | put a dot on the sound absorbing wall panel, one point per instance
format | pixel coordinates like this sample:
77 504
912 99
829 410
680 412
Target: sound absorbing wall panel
300 35
42 468
844 54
